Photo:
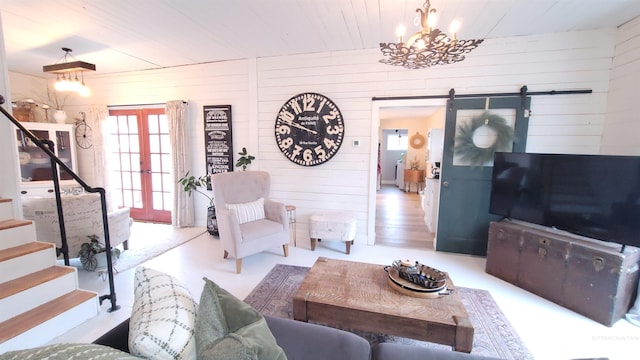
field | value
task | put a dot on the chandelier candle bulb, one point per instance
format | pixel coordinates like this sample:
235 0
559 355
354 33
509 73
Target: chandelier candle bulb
400 30
454 27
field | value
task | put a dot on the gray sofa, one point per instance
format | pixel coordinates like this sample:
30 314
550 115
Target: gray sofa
305 341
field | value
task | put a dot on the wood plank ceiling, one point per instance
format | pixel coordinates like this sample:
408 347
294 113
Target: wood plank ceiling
125 35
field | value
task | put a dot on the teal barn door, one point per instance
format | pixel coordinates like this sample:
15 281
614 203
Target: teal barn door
465 180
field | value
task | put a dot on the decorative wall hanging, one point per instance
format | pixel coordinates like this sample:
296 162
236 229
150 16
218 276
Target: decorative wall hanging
465 146
309 129
217 138
417 141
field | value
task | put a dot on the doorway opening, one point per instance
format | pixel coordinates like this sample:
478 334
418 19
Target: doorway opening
399 216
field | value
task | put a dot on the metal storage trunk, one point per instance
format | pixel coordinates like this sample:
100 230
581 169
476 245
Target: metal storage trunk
590 277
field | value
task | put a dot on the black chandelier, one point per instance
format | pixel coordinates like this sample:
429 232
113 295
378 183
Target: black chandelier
429 46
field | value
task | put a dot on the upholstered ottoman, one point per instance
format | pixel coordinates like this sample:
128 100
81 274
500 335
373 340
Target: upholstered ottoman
332 226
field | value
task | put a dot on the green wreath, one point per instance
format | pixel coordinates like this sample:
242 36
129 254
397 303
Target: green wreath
468 151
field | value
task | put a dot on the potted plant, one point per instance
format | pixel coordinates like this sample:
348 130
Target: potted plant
190 183
93 254
245 159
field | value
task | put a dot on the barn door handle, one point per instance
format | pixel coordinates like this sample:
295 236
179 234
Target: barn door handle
445 184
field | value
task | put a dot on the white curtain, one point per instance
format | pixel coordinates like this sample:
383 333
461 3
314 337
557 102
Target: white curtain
97 120
183 212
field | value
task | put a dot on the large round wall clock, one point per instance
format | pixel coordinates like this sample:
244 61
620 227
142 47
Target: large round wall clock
309 129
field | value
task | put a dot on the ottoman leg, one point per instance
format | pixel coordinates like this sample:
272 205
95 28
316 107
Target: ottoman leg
348 247
313 244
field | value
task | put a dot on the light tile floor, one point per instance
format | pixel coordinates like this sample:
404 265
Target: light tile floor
549 330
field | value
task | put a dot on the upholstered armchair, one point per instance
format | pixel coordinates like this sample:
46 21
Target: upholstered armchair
248 221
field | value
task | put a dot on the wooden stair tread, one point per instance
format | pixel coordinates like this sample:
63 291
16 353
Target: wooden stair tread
34 317
34 279
12 223
24 249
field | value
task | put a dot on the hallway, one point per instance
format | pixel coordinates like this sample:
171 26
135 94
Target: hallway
400 219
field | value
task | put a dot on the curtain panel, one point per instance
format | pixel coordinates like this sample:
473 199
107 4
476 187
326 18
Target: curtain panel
182 214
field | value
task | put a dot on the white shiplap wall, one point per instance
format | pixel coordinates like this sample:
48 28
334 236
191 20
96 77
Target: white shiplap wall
257 88
622 127
573 123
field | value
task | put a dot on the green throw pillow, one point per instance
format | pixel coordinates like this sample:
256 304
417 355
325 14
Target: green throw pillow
69 351
227 328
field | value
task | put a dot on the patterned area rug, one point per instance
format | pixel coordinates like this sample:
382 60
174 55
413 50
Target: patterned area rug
493 336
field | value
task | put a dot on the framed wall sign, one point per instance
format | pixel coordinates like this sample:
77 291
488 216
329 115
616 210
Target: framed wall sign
217 138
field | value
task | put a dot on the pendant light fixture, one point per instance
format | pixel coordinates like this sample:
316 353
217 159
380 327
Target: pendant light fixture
70 73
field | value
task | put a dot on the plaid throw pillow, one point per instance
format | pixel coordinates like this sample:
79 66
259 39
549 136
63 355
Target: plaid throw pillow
163 317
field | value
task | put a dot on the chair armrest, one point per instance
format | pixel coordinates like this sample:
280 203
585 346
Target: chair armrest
119 226
275 211
301 340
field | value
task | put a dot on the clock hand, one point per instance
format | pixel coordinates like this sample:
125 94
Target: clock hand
298 126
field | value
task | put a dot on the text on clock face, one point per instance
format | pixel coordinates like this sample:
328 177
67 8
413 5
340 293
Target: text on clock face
309 129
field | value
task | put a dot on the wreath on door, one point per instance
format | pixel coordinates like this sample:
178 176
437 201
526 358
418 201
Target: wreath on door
466 148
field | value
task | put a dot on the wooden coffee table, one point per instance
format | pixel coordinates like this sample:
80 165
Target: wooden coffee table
354 295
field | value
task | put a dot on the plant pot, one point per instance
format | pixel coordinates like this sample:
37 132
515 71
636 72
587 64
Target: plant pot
212 222
102 260
60 116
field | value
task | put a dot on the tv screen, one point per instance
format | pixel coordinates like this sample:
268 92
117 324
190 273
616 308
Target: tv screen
596 196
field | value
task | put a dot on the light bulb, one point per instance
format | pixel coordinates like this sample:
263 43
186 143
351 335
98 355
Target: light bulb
61 85
400 30
454 27
83 91
432 20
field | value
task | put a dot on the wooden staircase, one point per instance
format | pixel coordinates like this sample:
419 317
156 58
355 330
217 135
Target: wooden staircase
39 299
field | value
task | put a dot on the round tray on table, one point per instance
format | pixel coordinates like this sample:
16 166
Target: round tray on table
408 288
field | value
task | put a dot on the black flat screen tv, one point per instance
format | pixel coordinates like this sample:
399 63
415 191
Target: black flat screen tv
597 196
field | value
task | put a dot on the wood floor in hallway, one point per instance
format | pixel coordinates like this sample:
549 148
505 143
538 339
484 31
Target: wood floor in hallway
400 219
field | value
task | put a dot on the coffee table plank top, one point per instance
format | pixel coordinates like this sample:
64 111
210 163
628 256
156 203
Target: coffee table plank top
354 295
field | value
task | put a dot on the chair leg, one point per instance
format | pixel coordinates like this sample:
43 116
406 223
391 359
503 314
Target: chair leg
285 247
125 245
238 265
226 254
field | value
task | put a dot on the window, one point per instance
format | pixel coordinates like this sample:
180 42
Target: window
397 142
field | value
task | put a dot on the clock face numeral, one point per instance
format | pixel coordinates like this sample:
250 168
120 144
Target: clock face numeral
309 129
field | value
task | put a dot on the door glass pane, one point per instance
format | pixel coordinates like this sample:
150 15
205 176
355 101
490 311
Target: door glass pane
132 121
153 124
164 124
137 199
136 182
479 134
126 180
155 163
156 181
135 162
165 144
154 143
128 198
134 143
